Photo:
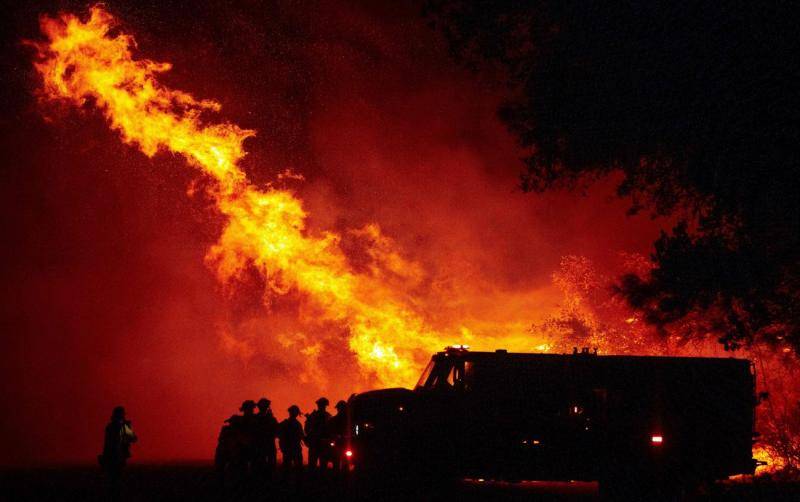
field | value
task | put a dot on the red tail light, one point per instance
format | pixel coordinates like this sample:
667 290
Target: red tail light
657 439
348 453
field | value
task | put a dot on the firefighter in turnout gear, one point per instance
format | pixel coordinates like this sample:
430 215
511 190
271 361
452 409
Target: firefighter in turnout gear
116 450
318 436
266 430
290 437
236 445
338 429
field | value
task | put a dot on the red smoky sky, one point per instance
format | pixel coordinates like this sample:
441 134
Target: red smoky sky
106 296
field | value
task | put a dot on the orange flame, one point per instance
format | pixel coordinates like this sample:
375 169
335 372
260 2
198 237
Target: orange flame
390 334
266 227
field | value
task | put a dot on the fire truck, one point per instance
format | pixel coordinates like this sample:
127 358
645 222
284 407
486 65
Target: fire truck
626 421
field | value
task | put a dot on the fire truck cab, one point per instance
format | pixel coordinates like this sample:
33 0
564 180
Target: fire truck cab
580 416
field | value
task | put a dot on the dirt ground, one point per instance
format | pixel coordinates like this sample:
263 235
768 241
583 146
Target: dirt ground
197 482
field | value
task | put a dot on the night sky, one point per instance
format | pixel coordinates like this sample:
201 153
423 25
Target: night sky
106 296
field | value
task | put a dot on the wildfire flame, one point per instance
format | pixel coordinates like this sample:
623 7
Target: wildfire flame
265 227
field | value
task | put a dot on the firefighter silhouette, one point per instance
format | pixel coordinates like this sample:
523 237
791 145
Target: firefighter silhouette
290 437
236 445
116 450
266 430
318 437
337 427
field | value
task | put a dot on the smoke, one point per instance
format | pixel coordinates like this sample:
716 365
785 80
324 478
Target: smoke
408 205
380 298
418 211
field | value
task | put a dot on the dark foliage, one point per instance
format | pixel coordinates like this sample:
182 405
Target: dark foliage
696 104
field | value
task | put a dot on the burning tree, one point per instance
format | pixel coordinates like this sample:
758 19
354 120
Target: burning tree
698 111
731 272
591 315
697 108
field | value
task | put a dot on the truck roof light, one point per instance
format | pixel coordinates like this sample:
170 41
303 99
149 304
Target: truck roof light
459 346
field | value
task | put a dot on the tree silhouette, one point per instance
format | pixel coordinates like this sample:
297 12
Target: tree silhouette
696 105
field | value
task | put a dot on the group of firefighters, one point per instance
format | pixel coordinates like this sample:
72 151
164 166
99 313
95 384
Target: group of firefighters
247 442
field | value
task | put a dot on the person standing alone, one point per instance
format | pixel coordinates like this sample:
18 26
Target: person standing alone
116 450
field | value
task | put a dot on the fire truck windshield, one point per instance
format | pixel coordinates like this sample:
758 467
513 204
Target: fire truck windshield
443 373
425 374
